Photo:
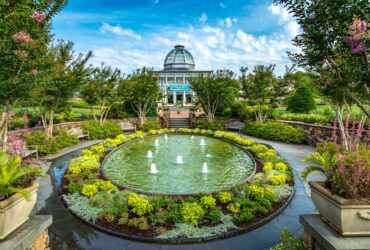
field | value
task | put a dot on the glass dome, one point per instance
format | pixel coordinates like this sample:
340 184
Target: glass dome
179 58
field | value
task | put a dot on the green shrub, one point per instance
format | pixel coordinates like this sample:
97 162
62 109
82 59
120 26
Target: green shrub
233 207
289 241
307 118
208 201
98 131
214 125
123 219
245 215
301 101
224 197
192 212
215 214
61 139
275 131
150 125
138 204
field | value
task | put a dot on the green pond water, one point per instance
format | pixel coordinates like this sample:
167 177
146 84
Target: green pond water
129 165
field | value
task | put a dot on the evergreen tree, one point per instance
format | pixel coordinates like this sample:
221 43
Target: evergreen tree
301 101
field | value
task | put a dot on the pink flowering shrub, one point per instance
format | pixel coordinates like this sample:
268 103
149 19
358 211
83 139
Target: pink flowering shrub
38 17
21 37
350 178
358 33
34 72
17 145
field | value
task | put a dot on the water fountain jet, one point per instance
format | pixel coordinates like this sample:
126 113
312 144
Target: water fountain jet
156 143
202 142
179 160
208 155
205 168
192 137
153 169
166 137
149 154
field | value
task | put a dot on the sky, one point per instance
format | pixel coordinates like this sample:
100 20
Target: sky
227 34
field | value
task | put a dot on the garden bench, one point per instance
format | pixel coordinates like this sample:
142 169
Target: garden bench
237 125
30 150
127 126
78 133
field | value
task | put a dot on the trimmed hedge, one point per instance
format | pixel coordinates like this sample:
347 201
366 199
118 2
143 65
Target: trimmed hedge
275 131
97 131
214 125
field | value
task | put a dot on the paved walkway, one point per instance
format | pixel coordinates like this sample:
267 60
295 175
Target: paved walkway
67 232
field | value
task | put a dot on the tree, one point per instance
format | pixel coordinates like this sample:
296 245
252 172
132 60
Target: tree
215 90
24 31
335 44
62 75
141 91
263 88
301 101
101 90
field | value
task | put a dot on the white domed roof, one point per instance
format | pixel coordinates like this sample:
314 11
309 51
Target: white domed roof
179 58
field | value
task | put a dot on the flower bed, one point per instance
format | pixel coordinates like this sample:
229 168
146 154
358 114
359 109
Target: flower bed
176 218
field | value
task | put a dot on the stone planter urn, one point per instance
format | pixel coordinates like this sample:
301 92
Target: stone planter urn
15 210
347 216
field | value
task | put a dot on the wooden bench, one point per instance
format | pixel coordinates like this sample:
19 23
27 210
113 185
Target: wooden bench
78 133
127 126
236 126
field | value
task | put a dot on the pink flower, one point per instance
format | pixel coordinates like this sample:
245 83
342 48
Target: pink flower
342 158
334 136
38 17
21 37
312 17
34 72
342 170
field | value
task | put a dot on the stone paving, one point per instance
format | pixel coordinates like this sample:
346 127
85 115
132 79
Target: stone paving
67 232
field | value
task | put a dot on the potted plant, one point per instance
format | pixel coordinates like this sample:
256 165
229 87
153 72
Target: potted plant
344 199
18 192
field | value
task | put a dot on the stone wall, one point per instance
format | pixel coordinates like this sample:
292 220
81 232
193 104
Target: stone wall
70 125
316 133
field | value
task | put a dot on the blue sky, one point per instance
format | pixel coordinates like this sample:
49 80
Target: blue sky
129 34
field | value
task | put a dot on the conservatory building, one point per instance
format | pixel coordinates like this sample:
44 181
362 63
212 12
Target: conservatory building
179 68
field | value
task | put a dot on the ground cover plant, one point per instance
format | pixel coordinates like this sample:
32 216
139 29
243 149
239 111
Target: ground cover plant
95 199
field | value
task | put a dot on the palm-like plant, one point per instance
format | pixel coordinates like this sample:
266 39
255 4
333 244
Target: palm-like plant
326 160
11 173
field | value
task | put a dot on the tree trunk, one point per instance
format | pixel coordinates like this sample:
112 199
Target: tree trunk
3 131
48 124
210 116
344 139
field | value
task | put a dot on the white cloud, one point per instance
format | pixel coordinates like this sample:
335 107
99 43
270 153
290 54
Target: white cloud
213 47
107 28
292 28
203 18
281 12
228 22
222 5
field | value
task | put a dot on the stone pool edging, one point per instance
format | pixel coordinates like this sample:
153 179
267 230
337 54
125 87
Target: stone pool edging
121 187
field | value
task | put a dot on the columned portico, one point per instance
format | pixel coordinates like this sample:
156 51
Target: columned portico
175 77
